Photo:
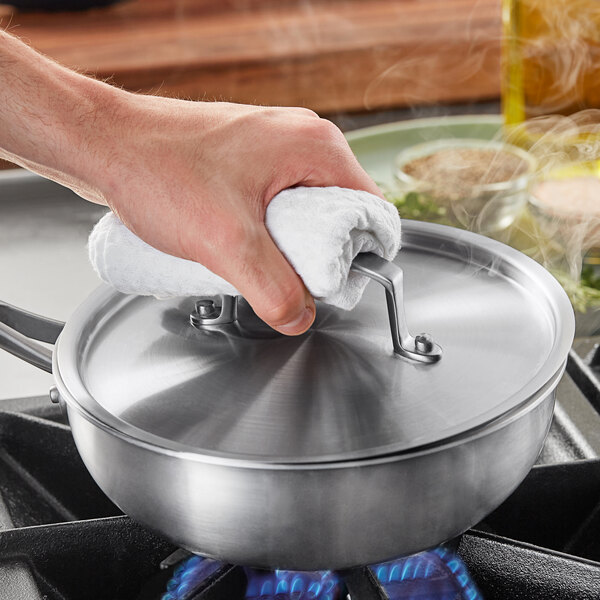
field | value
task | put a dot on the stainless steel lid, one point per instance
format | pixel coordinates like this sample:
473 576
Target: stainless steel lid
237 391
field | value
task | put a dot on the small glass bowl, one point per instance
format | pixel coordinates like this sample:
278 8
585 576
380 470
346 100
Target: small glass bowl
554 202
482 207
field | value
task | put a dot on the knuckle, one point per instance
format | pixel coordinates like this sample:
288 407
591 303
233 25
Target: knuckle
269 112
307 112
285 112
325 131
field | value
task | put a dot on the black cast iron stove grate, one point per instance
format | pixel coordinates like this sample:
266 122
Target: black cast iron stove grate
62 539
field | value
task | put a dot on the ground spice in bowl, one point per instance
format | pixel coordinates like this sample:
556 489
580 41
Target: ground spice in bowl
463 170
484 184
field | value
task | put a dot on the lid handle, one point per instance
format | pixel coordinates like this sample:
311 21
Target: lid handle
221 310
421 347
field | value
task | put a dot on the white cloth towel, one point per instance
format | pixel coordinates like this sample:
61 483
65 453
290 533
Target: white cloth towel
319 231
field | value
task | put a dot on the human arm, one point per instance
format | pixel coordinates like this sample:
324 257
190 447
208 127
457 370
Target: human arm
192 179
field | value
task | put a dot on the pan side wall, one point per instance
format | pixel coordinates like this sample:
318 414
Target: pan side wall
316 518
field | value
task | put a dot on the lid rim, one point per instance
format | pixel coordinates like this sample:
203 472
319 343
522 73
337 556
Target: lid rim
249 462
104 298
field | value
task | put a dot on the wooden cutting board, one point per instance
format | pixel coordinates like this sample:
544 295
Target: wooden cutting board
329 55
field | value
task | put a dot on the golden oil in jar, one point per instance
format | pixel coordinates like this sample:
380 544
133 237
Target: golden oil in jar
551 57
551 67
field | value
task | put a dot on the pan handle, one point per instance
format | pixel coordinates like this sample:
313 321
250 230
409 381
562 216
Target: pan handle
18 330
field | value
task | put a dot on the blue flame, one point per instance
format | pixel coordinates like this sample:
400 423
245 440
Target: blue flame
293 585
262 585
435 575
187 576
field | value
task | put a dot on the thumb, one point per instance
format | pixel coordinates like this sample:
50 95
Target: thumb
273 289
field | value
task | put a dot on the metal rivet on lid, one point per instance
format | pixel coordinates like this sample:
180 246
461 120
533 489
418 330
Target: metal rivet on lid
423 343
54 395
206 309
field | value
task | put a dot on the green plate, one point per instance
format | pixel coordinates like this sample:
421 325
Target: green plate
377 147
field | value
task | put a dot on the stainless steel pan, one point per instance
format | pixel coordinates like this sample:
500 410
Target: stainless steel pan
328 450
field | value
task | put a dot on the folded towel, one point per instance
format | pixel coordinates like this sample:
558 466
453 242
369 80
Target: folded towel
318 230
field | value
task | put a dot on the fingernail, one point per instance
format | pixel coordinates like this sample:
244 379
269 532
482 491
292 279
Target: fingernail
299 325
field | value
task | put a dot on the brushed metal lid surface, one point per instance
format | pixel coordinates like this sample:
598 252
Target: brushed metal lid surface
338 392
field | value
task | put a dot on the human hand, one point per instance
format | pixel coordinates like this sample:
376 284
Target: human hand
194 180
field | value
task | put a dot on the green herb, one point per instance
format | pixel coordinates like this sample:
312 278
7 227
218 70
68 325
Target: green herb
584 294
590 278
420 207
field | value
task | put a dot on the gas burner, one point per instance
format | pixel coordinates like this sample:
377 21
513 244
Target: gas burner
435 575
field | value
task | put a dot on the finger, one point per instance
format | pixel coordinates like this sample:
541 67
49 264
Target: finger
272 287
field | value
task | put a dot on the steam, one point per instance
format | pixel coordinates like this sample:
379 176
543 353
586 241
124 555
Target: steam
557 50
556 140
460 63
565 193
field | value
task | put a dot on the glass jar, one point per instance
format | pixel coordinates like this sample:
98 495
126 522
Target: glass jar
551 57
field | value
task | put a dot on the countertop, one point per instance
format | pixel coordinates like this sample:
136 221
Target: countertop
43 261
